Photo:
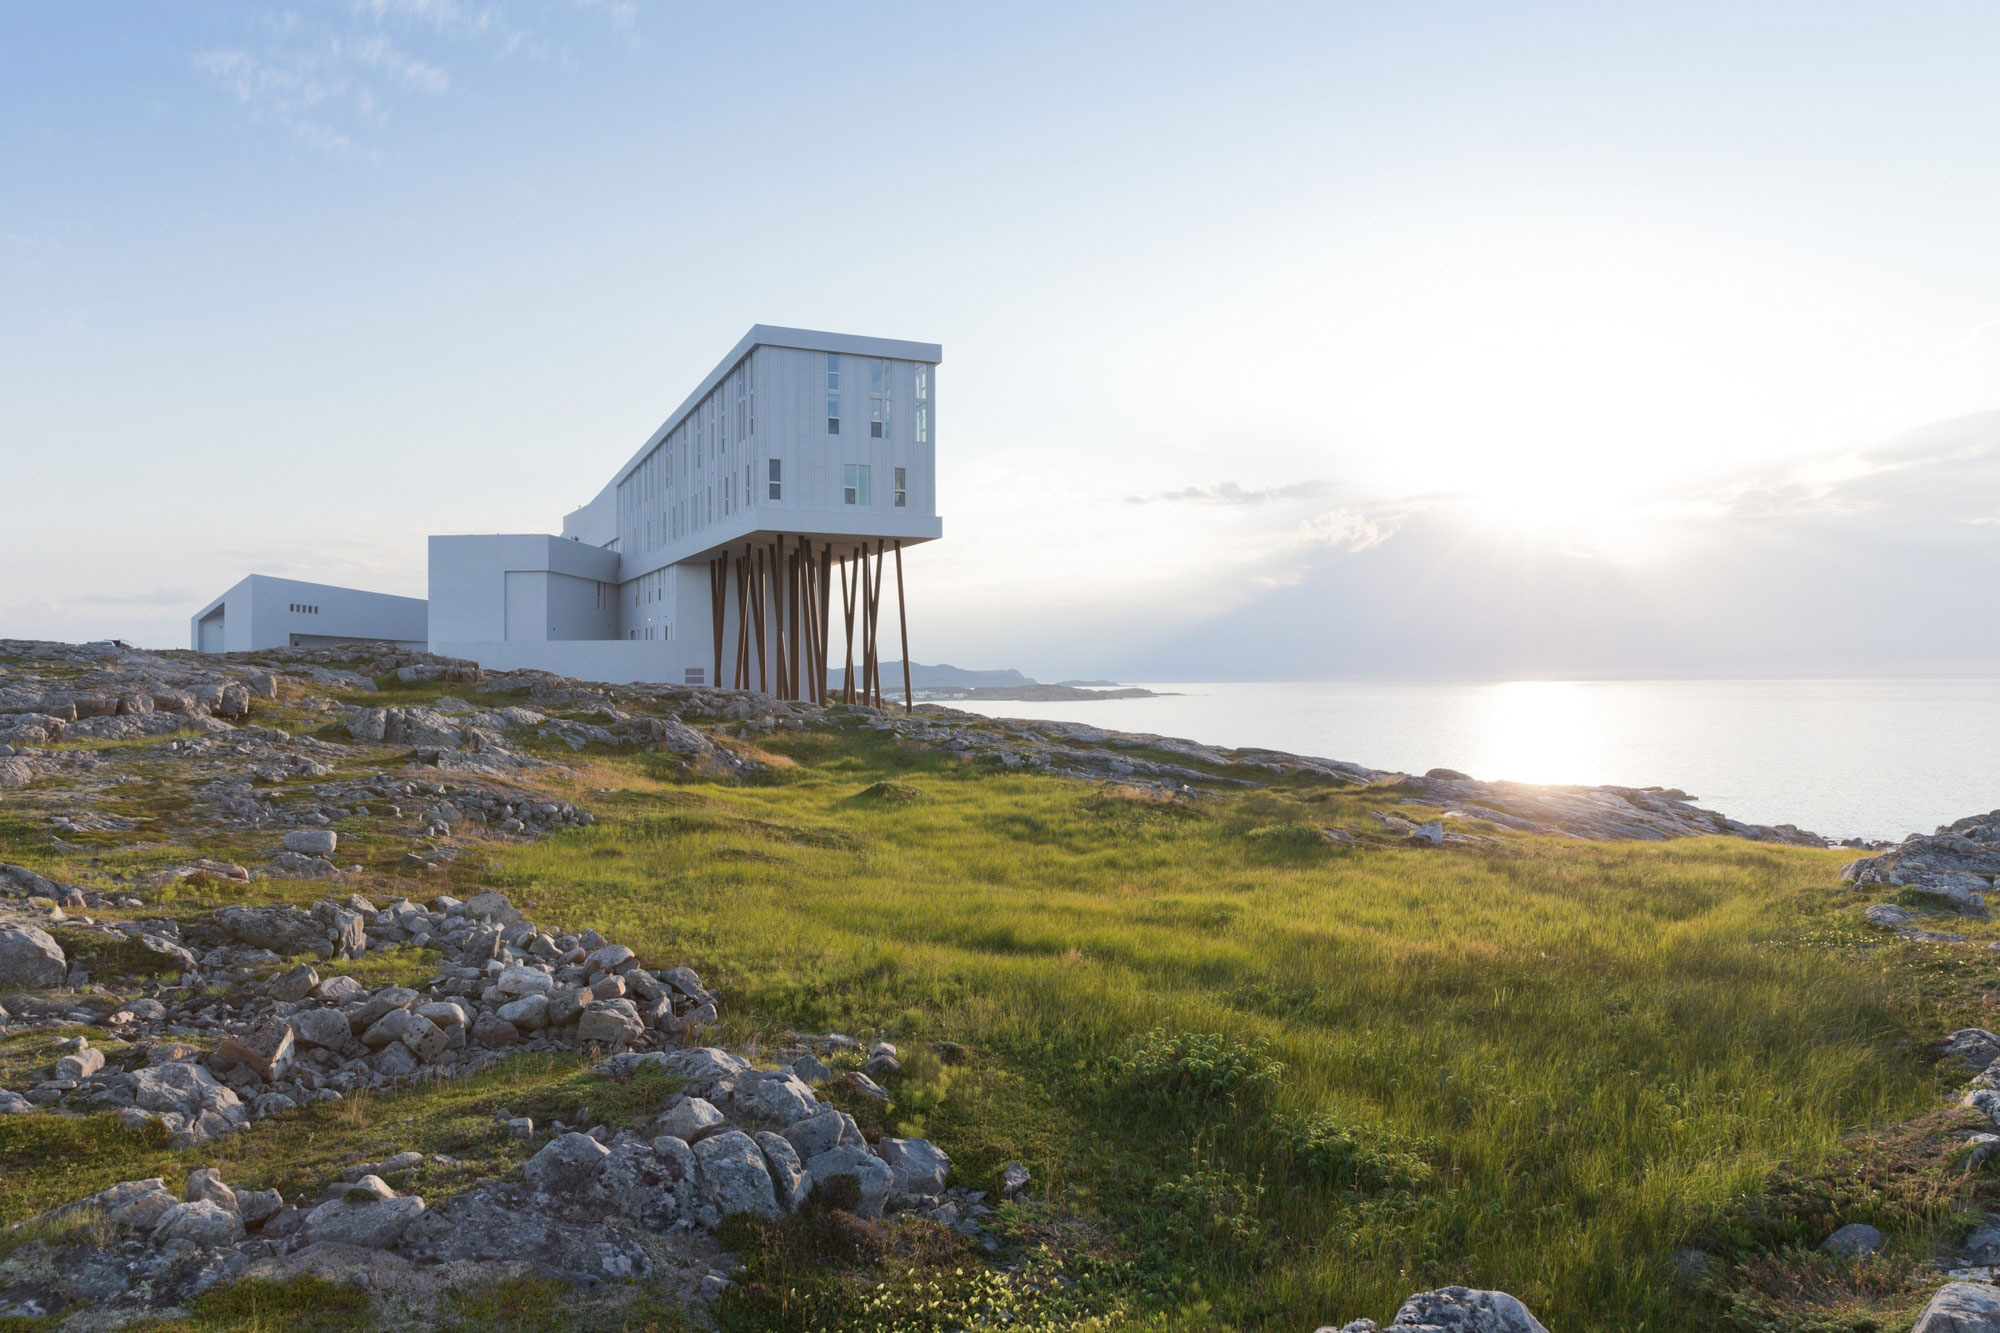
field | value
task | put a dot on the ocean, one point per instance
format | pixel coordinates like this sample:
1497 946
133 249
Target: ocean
1844 758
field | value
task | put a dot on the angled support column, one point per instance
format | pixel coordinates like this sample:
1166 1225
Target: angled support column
847 578
757 612
717 597
742 676
903 624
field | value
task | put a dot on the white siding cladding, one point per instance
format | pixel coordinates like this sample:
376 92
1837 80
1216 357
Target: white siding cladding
692 483
814 461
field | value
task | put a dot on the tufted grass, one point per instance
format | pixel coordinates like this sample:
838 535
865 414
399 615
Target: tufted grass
1604 1049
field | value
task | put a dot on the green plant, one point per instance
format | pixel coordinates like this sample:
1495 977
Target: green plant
1202 1068
1360 1159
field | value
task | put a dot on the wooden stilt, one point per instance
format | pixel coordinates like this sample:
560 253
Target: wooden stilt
875 628
757 614
903 624
867 632
847 577
716 596
742 621
778 615
825 615
797 578
808 568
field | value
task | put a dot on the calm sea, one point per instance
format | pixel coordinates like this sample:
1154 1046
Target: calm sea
1846 758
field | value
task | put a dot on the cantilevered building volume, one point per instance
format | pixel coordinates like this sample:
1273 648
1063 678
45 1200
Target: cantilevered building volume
746 543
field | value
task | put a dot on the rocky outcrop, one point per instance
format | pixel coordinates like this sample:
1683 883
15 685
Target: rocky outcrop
1453 1310
1950 870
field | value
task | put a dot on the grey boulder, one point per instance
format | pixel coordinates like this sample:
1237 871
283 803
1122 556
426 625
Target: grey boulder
870 1173
1455 1310
376 1224
202 1223
788 1174
1961 1307
567 1164
30 958
732 1175
918 1166
1853 1240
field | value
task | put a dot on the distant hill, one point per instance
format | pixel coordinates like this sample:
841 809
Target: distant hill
925 676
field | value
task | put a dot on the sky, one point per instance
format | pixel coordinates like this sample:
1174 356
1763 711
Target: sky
1281 341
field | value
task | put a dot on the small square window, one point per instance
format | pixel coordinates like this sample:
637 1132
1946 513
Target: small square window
875 429
833 425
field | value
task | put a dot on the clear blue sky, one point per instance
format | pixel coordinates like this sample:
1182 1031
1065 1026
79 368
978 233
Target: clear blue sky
1256 316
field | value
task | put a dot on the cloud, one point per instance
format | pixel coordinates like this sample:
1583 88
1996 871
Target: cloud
1344 530
157 597
1860 563
1233 493
336 83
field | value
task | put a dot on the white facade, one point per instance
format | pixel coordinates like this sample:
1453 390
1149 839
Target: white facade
813 445
266 612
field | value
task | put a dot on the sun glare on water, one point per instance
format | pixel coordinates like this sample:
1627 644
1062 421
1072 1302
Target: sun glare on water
1542 731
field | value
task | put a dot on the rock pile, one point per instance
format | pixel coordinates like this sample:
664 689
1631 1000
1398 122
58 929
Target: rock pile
299 1037
1951 870
1452 1310
593 1207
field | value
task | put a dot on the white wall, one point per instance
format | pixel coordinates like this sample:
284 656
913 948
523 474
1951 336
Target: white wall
262 612
616 661
521 587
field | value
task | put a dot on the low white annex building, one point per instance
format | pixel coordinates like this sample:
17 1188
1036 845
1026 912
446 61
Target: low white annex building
746 538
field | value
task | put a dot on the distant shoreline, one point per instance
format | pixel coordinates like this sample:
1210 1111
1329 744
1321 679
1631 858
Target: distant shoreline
1033 693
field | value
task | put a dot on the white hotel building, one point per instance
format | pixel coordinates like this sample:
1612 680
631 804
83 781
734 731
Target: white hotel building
747 542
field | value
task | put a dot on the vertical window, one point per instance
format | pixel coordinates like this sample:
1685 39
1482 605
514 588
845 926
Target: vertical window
923 423
878 399
777 479
923 384
832 393
854 484
902 488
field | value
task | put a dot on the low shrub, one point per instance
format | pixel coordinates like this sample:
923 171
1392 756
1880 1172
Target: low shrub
303 1302
1196 1068
1354 1159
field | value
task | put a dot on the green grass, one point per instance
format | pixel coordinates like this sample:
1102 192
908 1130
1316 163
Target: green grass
1261 1080
1576 1057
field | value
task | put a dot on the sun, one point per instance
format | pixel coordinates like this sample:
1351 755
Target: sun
1562 506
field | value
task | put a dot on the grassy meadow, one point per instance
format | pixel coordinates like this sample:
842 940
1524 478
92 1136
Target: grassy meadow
1262 1080
1542 1066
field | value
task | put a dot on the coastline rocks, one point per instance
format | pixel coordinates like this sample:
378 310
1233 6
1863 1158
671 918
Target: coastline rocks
1955 866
